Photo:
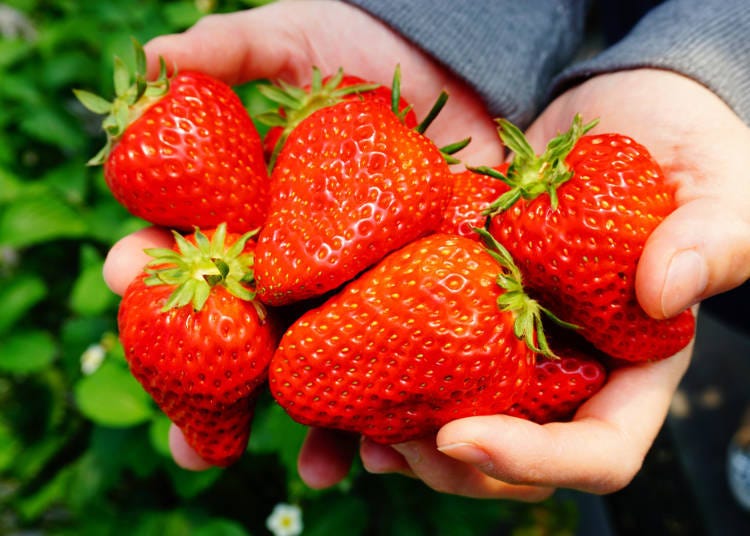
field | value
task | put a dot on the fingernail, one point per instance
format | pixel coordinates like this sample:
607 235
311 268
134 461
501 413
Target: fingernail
687 279
408 451
466 452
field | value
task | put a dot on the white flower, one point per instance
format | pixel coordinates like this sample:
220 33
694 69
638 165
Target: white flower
14 24
285 520
92 358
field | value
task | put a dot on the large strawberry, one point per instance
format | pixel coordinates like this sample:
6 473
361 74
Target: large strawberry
181 151
198 342
351 184
576 219
559 386
438 330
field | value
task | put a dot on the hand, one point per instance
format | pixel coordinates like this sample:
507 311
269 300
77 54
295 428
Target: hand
702 249
285 40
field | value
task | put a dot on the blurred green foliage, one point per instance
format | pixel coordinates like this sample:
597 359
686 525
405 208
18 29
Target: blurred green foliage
83 450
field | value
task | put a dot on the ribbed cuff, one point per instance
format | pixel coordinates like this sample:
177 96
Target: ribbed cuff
507 51
706 40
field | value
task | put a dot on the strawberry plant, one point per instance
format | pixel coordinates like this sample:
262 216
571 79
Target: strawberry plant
83 446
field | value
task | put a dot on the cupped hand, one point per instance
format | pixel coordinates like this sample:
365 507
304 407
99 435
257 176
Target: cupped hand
499 456
701 249
285 40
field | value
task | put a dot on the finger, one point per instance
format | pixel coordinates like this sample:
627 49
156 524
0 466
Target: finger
701 249
381 459
126 259
326 457
183 454
285 40
235 47
448 475
599 452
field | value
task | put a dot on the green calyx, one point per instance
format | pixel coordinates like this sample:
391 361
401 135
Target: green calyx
296 104
133 95
530 175
195 269
528 324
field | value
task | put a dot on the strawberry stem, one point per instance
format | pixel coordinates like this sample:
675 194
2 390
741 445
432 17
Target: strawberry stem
133 95
433 113
529 175
296 104
528 325
196 268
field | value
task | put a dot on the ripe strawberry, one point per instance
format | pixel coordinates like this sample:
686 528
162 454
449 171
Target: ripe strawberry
198 342
181 151
472 195
559 387
330 90
438 330
576 220
351 184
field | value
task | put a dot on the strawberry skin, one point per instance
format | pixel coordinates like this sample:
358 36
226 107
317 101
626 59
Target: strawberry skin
381 93
580 257
472 195
351 184
192 158
559 387
415 342
203 367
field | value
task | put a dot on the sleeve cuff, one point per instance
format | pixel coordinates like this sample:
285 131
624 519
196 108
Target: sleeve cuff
704 40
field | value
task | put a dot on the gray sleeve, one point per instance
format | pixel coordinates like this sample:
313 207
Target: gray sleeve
507 51
707 40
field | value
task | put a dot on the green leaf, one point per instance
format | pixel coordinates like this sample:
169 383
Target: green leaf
90 295
26 351
55 127
345 515
158 433
79 333
10 186
18 296
189 484
182 14
33 506
220 527
275 432
12 51
69 179
34 219
93 102
10 446
113 397
174 523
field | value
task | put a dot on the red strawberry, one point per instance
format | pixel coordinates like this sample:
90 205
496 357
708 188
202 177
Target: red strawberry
576 220
197 340
472 195
559 387
351 184
182 151
332 86
436 331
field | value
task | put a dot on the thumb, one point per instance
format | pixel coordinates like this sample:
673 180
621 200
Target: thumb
701 249
235 47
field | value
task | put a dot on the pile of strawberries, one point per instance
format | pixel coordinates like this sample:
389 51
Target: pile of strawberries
345 264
